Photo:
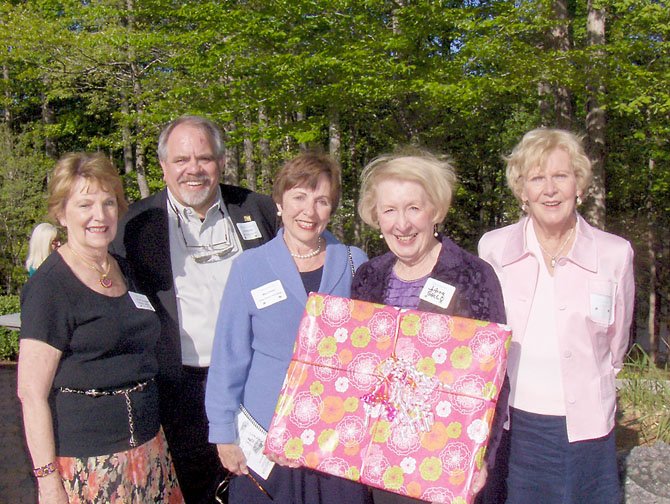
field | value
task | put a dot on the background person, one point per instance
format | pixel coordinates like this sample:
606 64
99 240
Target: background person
569 296
43 241
87 359
254 343
406 197
181 242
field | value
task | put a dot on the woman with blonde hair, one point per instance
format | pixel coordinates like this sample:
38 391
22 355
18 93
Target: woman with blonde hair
406 196
569 294
87 359
43 241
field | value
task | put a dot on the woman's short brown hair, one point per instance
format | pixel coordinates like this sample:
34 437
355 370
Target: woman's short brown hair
305 170
94 167
436 176
534 148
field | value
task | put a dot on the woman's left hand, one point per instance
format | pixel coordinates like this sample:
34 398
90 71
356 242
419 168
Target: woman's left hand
480 481
283 461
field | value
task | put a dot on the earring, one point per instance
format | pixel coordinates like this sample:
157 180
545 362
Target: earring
278 213
381 236
524 206
435 233
579 200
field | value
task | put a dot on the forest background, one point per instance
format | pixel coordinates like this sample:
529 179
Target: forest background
357 78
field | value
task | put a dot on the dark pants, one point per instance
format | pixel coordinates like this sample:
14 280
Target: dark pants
298 486
545 467
184 420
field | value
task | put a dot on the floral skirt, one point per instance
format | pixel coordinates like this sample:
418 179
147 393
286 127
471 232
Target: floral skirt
140 475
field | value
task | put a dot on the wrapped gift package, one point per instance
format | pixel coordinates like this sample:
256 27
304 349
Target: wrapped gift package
401 400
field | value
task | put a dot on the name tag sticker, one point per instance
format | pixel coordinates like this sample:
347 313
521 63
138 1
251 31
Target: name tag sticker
268 294
249 230
437 293
141 301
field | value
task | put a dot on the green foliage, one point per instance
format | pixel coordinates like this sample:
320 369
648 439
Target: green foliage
457 77
22 180
9 339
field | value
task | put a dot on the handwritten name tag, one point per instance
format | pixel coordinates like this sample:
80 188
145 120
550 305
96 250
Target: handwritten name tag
437 293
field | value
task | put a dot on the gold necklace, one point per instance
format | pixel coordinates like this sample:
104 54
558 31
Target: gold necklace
308 255
553 257
105 281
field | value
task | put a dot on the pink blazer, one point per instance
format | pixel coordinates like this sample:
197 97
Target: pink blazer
594 294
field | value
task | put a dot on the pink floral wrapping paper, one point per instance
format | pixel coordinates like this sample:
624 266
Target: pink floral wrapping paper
398 399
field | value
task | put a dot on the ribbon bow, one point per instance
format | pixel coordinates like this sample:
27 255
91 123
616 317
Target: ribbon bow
401 396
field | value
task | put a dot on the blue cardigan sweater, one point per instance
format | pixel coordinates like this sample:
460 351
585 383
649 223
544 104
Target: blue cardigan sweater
253 346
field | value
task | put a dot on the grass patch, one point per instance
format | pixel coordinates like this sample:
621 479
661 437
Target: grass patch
644 398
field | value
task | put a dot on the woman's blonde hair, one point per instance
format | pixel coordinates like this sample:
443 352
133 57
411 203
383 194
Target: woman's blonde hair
94 167
40 244
436 176
533 150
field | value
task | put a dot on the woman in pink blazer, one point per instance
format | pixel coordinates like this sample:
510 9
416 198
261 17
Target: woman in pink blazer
569 292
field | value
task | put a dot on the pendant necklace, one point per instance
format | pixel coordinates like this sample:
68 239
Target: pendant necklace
313 253
554 256
105 281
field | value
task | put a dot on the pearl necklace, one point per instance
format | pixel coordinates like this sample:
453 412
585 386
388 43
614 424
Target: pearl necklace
313 253
105 281
554 256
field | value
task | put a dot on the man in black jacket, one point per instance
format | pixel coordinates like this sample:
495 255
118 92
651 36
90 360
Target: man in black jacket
180 244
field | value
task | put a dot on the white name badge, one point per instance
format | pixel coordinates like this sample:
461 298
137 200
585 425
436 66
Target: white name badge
268 294
251 438
249 230
437 293
141 301
601 309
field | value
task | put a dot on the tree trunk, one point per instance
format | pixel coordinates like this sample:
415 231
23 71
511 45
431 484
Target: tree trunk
7 114
653 319
140 153
249 164
126 136
48 119
300 116
560 35
264 148
334 149
596 120
231 159
335 137
543 94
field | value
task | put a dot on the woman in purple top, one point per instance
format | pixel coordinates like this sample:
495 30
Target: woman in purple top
406 197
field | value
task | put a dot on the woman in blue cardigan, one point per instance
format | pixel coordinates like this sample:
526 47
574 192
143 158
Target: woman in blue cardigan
260 313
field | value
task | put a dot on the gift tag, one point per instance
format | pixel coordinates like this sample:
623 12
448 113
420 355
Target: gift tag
437 293
268 294
249 230
141 301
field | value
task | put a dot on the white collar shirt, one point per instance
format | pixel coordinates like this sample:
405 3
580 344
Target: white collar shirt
201 254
